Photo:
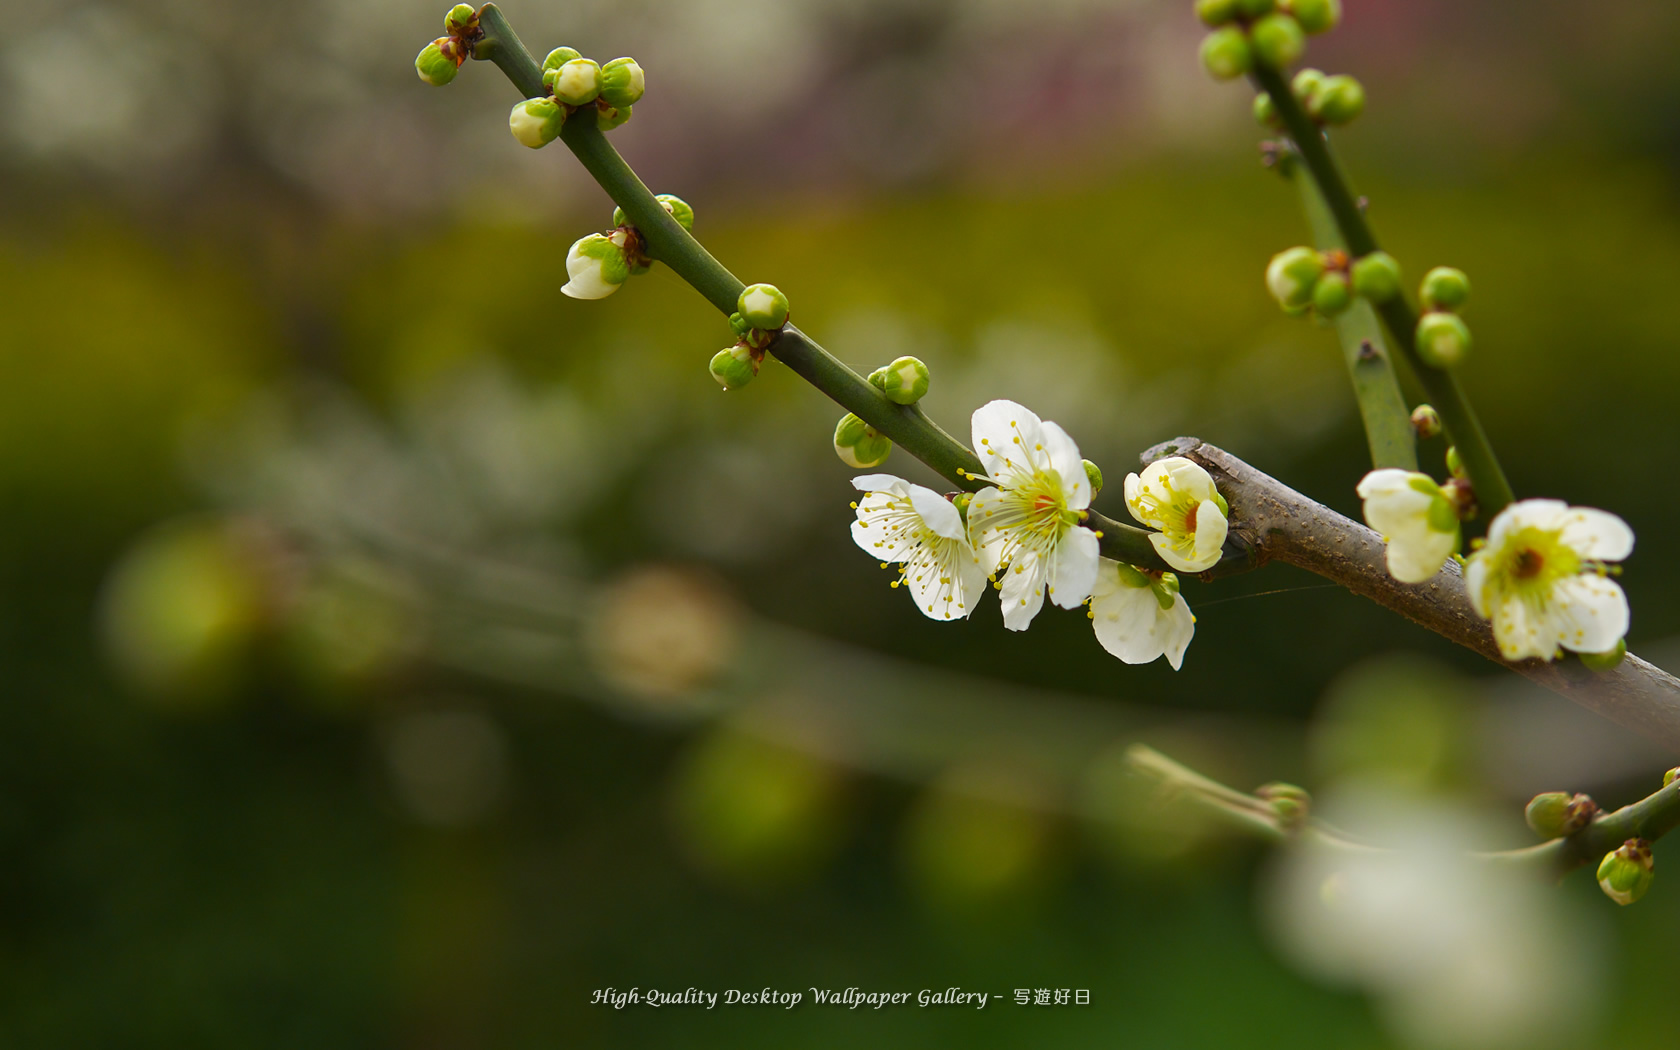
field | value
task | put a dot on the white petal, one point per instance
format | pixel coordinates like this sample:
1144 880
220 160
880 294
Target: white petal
1387 480
1589 613
1062 456
1598 534
1211 529
1125 620
1475 582
1520 632
1075 570
1023 592
1000 430
1418 554
986 540
1133 487
1178 627
1545 514
1187 477
939 513
881 483
1164 547
882 529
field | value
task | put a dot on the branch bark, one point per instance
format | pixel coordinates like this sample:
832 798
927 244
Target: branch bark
1276 523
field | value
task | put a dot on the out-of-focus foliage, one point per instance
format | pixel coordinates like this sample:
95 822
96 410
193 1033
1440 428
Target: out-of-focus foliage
395 651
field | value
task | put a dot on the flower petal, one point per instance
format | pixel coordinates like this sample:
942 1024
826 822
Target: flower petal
1170 554
1520 631
1598 534
1589 613
1022 593
1062 456
1133 488
1003 431
881 483
1211 530
1074 571
939 513
985 538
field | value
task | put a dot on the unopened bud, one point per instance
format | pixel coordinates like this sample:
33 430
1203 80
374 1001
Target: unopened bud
1337 100
1455 462
1445 288
739 325
679 210
1093 474
597 267
1376 277
578 82
1332 294
1277 40
733 367
905 381
1626 873
1289 803
1292 274
763 306
1255 8
1426 421
460 19
536 122
1316 16
1608 660
1443 339
1216 12
1265 112
1670 776
622 82
860 445
559 57
1556 814
435 66
1226 54
608 117
1305 83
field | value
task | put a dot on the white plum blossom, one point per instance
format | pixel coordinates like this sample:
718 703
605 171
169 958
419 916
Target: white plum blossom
1140 616
1029 518
1541 578
597 265
1178 497
923 531
1416 520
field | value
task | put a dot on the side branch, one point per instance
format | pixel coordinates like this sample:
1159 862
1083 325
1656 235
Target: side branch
1279 524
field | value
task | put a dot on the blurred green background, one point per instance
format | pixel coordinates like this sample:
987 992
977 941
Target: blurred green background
394 651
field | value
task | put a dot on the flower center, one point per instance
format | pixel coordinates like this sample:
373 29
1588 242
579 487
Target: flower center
1190 518
1528 563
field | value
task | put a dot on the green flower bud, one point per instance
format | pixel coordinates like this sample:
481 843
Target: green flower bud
622 83
1455 463
578 82
1305 83
1426 421
1255 8
1444 288
1216 12
559 57
961 501
608 117
1292 274
858 444
764 306
1332 294
1605 661
1626 873
434 66
739 324
1289 803
905 381
1556 814
1338 100
1443 339
1226 54
619 218
679 210
1376 277
460 18
1277 40
536 122
596 266
1265 112
1093 474
1316 16
733 367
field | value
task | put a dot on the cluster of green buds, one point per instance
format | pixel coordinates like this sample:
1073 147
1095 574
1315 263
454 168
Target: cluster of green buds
598 264
1558 814
1336 100
1443 339
440 60
1627 871
1271 33
904 382
1304 279
573 83
760 312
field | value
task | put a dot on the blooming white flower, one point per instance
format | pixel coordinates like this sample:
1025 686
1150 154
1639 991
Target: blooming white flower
1178 497
1541 579
1029 518
1416 519
922 530
1139 616
597 265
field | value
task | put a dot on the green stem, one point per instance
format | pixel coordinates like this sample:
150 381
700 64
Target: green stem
907 425
1493 492
1382 408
